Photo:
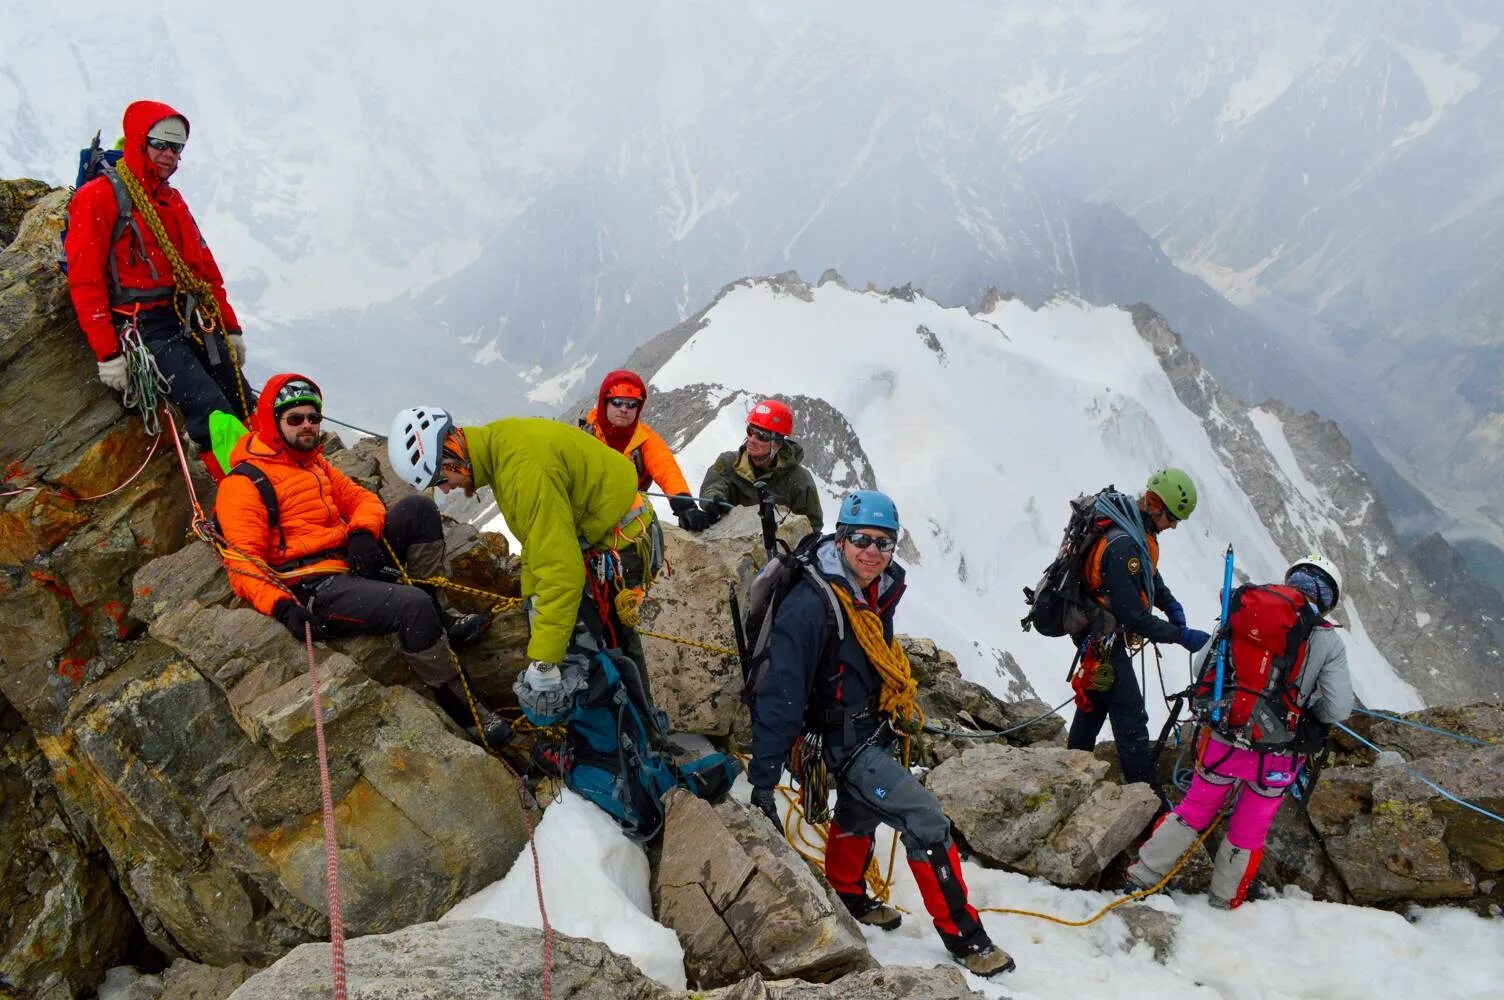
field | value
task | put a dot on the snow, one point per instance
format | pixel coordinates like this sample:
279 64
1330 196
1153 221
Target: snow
983 452
556 391
595 885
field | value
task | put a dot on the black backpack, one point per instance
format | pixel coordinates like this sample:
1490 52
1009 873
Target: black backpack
1058 604
771 585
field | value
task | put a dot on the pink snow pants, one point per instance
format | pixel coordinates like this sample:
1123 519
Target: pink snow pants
1263 788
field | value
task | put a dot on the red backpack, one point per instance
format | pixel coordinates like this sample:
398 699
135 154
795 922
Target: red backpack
1267 632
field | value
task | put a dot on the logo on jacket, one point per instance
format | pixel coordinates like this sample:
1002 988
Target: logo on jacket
880 792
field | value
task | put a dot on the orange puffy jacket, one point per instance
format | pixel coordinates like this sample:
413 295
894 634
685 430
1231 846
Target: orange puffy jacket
319 505
639 442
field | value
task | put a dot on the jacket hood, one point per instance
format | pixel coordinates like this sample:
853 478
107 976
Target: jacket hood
265 428
617 437
140 116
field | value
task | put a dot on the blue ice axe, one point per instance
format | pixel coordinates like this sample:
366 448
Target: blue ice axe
1226 637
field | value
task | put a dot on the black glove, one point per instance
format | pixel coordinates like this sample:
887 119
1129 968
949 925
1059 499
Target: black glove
1176 614
363 553
763 800
679 504
292 616
1193 639
695 519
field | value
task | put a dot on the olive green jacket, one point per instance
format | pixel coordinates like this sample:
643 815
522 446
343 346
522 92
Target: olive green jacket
557 488
733 480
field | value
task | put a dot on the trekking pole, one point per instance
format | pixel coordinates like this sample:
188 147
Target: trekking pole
685 496
767 515
1222 645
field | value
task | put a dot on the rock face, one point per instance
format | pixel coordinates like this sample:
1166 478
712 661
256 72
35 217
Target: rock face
458 960
1394 839
742 901
484 960
62 921
1041 810
701 690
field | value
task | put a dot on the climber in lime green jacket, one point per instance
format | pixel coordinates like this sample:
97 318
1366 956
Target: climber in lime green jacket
561 492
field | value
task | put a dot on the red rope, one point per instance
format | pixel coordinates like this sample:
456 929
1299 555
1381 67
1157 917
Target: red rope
331 850
68 496
548 929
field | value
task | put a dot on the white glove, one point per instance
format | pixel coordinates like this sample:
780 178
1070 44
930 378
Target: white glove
238 342
112 373
543 677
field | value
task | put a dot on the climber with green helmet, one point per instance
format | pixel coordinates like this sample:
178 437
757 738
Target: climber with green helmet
1121 572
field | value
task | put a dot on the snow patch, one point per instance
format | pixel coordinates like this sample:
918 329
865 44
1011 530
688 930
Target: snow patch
556 391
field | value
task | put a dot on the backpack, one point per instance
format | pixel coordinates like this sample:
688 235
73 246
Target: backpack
772 584
1058 604
619 754
1267 632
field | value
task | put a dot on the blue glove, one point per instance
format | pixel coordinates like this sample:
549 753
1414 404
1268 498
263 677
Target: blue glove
1193 639
1176 614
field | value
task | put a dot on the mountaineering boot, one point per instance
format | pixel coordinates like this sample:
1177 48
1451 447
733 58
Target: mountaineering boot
1232 875
985 960
462 630
869 911
496 730
1171 838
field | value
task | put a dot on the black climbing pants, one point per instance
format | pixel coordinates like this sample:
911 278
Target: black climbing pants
1122 704
198 387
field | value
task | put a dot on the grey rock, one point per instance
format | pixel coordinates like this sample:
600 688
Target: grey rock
457 960
742 901
941 982
1155 928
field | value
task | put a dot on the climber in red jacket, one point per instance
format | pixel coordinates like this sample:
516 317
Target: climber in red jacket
121 277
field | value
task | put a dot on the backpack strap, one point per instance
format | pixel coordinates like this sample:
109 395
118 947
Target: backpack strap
263 485
125 219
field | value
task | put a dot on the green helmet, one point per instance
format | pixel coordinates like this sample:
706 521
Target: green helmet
1175 490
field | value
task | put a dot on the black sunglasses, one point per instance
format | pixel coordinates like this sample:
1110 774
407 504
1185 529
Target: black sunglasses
296 419
884 543
762 435
625 402
166 144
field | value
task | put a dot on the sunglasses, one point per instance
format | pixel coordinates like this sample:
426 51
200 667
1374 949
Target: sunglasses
761 434
626 403
884 543
297 419
165 144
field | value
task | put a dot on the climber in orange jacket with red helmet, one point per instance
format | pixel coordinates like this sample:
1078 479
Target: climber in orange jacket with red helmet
304 546
617 421
120 276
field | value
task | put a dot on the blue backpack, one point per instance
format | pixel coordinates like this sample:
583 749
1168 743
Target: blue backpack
618 752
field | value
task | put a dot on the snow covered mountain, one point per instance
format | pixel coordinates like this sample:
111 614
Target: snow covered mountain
982 425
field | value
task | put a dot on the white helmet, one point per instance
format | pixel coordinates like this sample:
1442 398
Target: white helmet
416 444
1327 568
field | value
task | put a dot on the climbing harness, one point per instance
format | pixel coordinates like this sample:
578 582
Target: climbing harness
144 381
193 299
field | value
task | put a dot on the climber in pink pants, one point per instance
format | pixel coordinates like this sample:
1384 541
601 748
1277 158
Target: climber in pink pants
1259 780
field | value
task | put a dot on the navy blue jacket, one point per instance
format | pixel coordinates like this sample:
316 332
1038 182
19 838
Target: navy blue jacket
806 689
1125 591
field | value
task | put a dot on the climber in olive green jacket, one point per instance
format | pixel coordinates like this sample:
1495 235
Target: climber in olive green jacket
771 456
560 491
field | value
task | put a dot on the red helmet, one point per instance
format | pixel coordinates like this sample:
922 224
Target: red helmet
773 416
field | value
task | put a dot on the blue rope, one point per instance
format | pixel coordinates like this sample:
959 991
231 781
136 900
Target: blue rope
1429 729
1122 510
1422 778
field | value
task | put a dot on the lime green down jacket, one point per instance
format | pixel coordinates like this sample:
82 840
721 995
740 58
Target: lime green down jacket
557 488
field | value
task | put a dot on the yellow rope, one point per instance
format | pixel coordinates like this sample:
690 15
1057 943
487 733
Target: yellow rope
186 281
721 650
1116 902
899 698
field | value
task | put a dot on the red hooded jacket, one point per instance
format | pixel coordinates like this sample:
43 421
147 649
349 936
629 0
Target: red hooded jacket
648 451
91 222
319 507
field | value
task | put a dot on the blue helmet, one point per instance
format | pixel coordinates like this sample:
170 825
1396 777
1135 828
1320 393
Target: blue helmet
867 509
